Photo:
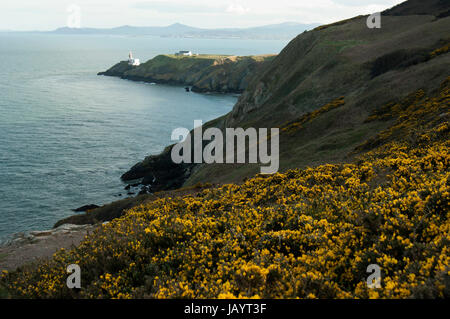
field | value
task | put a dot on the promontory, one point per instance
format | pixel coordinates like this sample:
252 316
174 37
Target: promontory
203 73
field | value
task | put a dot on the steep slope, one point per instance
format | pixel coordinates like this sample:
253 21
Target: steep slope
205 73
363 68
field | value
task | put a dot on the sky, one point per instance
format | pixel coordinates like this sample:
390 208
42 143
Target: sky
24 15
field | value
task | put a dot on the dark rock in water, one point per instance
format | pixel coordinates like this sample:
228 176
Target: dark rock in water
160 172
86 208
128 187
188 89
131 193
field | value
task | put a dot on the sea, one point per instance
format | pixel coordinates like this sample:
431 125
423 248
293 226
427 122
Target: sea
67 135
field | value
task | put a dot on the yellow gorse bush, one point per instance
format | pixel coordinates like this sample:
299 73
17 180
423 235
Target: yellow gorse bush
302 234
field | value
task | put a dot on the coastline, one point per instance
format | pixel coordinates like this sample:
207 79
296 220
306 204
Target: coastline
20 249
28 247
358 205
201 73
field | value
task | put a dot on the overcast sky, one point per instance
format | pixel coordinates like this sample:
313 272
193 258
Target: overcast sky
51 14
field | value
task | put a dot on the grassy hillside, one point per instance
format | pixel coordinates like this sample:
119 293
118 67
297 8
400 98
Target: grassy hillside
205 73
366 68
306 233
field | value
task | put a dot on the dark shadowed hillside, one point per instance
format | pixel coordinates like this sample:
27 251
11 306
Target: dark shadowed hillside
437 8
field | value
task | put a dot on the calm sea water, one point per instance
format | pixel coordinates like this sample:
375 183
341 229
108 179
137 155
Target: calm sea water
67 135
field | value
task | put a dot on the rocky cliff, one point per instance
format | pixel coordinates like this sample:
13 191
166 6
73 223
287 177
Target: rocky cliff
204 73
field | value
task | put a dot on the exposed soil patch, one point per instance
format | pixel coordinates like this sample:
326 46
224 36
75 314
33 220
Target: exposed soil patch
28 248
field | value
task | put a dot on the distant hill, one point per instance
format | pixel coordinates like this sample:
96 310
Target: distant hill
287 30
172 30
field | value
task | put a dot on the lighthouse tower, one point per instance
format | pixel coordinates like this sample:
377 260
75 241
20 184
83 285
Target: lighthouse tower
132 61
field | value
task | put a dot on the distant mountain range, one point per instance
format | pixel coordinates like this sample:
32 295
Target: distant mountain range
286 30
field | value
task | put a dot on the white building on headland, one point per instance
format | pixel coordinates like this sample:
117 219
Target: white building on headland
184 53
132 61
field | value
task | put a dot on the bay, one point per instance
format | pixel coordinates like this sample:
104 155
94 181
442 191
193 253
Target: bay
67 135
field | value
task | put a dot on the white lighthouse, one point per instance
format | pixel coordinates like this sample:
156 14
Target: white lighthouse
132 61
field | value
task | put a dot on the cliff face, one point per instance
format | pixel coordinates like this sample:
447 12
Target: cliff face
222 74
